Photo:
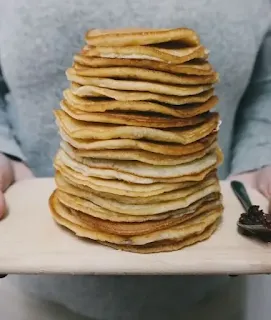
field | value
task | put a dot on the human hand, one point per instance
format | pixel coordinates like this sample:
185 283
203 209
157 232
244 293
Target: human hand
259 180
10 172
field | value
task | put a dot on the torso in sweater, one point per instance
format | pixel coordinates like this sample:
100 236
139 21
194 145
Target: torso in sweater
37 42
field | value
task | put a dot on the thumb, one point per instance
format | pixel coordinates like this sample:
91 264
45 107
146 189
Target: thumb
6 179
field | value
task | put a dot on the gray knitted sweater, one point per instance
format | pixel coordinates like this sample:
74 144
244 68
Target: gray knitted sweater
37 42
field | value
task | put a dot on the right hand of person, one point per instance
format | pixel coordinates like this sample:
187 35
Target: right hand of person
10 172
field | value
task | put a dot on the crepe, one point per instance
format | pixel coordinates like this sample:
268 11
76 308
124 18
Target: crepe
133 37
138 155
94 91
192 67
132 119
95 131
145 86
129 73
97 105
191 227
173 56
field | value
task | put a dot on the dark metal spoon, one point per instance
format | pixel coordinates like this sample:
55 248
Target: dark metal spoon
242 195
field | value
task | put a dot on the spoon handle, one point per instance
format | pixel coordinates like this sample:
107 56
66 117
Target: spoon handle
241 193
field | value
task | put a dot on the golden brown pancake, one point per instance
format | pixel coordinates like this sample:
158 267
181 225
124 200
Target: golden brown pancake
134 85
96 131
139 169
119 187
129 73
193 68
138 155
167 246
179 232
93 105
94 91
165 149
132 119
152 208
139 37
138 228
66 186
71 200
176 56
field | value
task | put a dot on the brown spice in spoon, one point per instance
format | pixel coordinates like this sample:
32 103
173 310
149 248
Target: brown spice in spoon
256 216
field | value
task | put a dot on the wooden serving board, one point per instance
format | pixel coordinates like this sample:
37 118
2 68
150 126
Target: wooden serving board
31 242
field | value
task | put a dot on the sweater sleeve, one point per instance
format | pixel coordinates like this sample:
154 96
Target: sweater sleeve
252 136
8 143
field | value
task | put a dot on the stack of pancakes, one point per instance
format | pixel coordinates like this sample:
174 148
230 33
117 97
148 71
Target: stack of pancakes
136 169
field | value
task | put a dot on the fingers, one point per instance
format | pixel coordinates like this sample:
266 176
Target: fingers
263 181
2 205
248 178
21 171
6 173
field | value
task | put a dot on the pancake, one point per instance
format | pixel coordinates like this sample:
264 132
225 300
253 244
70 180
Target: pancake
87 130
131 73
165 149
64 185
132 119
167 246
147 170
133 85
62 158
139 169
94 91
116 186
191 227
138 155
97 105
152 208
89 208
139 37
194 68
176 56
133 228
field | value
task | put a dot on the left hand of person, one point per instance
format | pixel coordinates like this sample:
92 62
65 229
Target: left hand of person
259 180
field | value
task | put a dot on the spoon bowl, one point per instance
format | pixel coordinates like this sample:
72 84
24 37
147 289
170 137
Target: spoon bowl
254 229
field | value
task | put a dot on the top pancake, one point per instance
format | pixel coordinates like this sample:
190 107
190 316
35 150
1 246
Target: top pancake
139 37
